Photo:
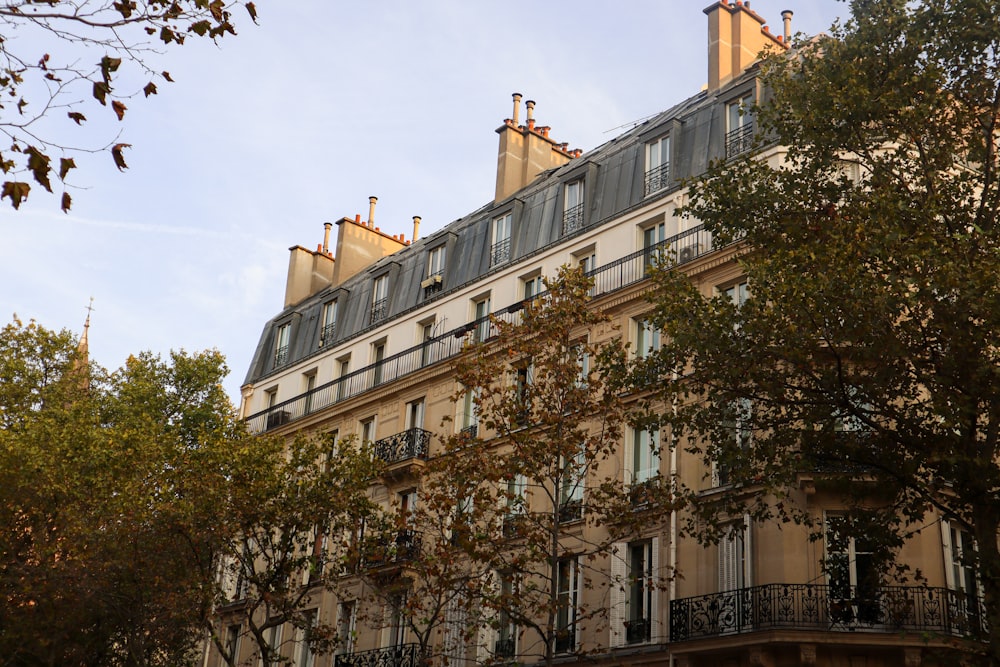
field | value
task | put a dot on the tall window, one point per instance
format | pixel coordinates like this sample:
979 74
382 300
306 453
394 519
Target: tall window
343 370
960 570
737 433
281 344
481 312
304 656
273 638
380 299
567 587
573 207
657 164
532 286
739 126
853 572
639 607
737 293
506 645
233 642
469 419
435 271
734 567
347 620
426 350
329 330
378 357
645 455
574 473
367 428
647 338
310 385
500 250
652 236
415 414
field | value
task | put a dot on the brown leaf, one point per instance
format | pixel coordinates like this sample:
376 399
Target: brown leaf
119 109
65 164
252 10
166 75
77 117
17 192
67 201
116 153
216 8
101 90
38 164
149 89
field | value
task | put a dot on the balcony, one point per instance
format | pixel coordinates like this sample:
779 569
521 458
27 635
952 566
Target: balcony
403 655
739 141
281 356
656 178
392 553
327 335
409 444
827 608
500 252
505 649
572 219
570 511
618 274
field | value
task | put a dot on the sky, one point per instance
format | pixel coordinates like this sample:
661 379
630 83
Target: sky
298 120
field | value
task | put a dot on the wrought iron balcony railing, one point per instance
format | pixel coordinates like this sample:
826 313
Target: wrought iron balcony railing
825 607
504 648
739 140
565 640
281 356
327 335
410 444
403 655
657 178
572 219
404 547
500 252
616 275
380 309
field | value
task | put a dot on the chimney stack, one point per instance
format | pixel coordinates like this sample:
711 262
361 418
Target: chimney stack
525 151
531 114
517 109
327 226
786 17
371 210
416 223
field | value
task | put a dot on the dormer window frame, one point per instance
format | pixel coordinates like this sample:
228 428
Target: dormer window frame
739 122
574 206
658 161
282 341
328 323
501 231
434 281
380 298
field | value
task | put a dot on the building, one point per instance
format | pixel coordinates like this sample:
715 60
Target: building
362 343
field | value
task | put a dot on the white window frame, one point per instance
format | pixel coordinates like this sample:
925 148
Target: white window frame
500 250
435 261
329 330
281 342
567 599
657 175
647 338
481 310
643 462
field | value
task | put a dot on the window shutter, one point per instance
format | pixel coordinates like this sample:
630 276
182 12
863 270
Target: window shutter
727 563
949 550
618 594
654 607
487 635
747 564
627 463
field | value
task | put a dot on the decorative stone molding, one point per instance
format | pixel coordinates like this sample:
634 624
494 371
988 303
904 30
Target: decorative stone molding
807 655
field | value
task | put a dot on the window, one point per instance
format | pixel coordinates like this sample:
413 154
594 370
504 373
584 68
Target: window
657 165
960 571
574 472
273 638
734 570
567 586
310 386
645 459
343 370
281 344
523 379
573 207
652 238
633 597
583 364
500 250
737 293
367 428
329 330
415 414
407 501
739 126
852 572
469 419
275 416
380 299
232 643
481 316
435 271
506 644
532 286
587 261
737 433
304 656
647 338
378 356
395 632
347 620
427 355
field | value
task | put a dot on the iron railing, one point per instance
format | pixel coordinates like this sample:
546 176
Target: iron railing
825 607
380 309
739 140
657 178
572 219
638 630
281 356
410 444
623 272
500 252
402 548
505 649
402 655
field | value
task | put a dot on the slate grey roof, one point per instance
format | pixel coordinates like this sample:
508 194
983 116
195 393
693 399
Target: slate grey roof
613 176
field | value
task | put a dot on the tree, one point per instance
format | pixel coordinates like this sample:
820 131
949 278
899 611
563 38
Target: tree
61 57
110 484
294 511
531 488
866 349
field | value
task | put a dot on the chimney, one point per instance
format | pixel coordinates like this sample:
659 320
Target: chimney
736 37
786 18
327 226
416 227
371 210
525 152
309 271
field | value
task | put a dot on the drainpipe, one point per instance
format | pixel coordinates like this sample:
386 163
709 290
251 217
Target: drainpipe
672 588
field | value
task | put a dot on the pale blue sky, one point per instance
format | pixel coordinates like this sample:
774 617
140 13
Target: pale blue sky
298 120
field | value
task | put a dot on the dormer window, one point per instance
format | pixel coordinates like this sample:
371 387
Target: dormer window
657 165
435 271
573 207
380 299
281 345
329 330
500 250
739 126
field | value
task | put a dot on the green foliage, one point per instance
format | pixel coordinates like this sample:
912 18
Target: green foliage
46 51
867 349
